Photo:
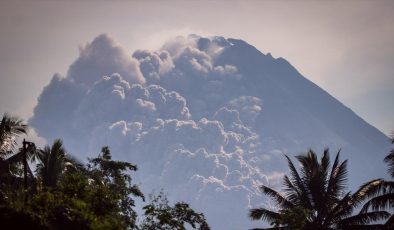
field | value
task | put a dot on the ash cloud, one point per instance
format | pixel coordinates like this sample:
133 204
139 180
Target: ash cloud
103 56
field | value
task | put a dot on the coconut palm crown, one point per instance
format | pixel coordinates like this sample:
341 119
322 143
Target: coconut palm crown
10 128
314 198
381 192
53 161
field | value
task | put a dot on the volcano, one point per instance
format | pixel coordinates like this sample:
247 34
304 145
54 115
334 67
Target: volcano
206 119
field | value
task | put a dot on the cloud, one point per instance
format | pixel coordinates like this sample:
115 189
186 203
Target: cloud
188 66
180 154
249 108
103 56
154 64
61 98
145 122
56 105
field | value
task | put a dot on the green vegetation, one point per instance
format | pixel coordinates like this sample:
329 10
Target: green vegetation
160 215
314 198
66 194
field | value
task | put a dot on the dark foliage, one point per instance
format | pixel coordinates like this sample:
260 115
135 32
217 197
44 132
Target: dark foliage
159 215
313 198
381 192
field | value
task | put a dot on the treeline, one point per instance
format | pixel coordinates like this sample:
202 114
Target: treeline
63 193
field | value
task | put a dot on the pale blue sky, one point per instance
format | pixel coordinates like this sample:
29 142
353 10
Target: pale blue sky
345 48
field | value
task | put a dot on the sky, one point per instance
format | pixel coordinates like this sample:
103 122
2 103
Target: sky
347 48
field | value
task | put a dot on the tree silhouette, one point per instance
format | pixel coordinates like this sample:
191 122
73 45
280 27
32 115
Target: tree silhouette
53 162
10 163
159 215
10 128
111 177
381 192
314 198
98 195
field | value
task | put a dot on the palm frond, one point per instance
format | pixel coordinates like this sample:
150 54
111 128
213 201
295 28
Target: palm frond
365 218
389 159
331 182
390 223
292 193
380 193
338 178
309 164
52 163
342 208
279 199
264 214
379 203
366 191
316 180
298 183
325 164
10 128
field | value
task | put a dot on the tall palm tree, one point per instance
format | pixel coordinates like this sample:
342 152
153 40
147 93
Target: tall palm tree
317 195
381 192
53 162
10 128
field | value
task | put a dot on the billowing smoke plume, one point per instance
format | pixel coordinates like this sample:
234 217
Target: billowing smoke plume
207 119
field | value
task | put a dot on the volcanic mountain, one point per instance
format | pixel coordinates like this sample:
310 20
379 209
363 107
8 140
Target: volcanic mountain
207 119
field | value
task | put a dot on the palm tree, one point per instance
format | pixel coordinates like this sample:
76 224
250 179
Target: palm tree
381 192
53 163
315 198
10 128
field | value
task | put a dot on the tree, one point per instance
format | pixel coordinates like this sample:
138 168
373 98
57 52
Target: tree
381 192
318 191
10 128
53 163
111 178
10 164
159 215
96 196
